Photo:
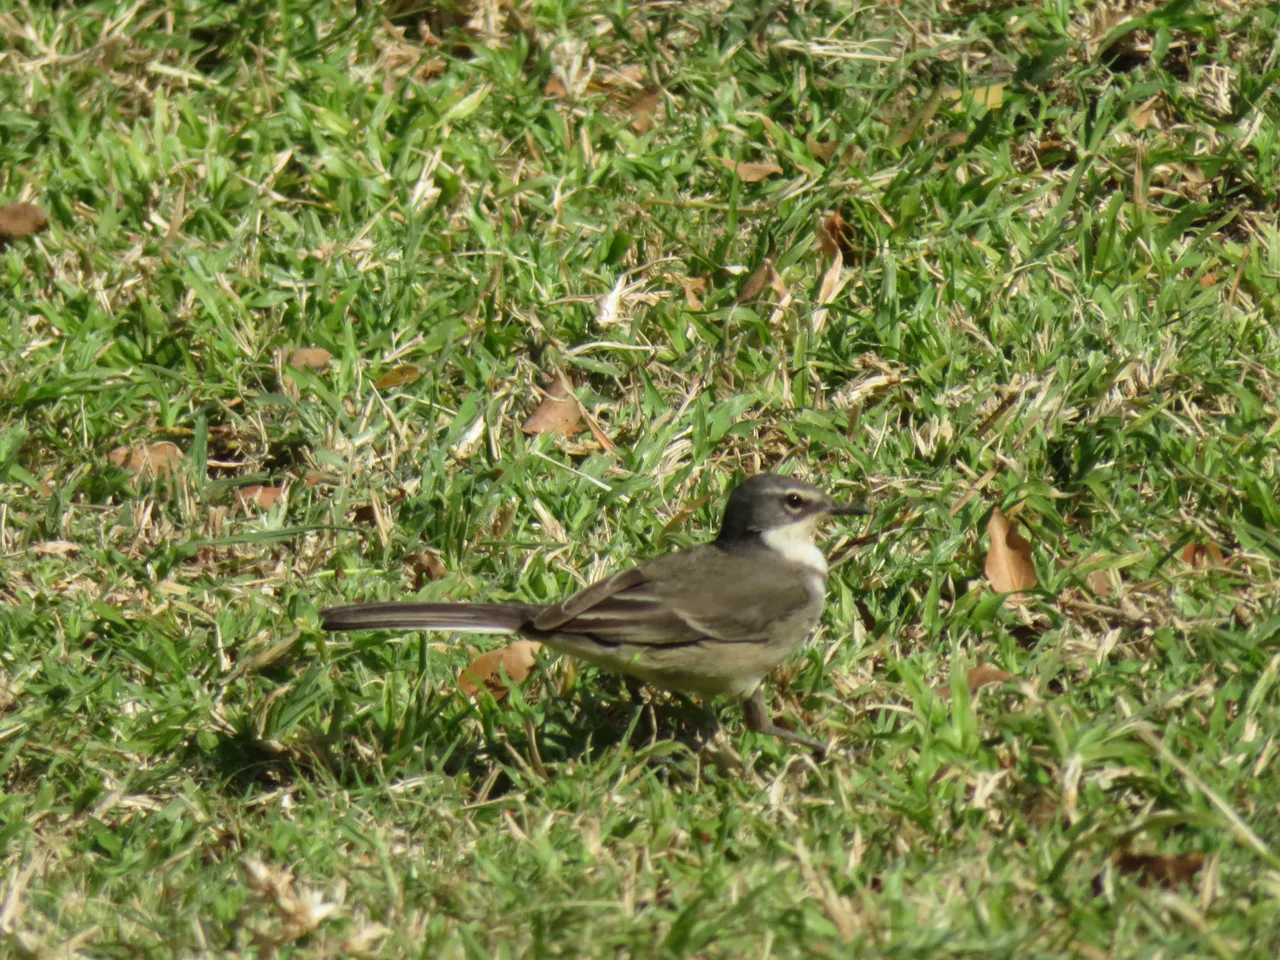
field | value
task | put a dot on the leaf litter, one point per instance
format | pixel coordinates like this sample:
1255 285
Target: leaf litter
310 358
485 672
749 172
147 460
1008 566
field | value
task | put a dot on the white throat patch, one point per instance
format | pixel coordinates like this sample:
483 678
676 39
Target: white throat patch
795 542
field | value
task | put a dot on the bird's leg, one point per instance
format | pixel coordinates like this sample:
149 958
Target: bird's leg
635 688
756 714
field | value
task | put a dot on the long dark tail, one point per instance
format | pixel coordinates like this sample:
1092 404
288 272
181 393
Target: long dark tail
470 617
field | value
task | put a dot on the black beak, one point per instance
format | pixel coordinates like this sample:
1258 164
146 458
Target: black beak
848 510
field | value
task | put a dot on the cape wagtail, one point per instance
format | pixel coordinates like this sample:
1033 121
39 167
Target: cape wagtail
711 620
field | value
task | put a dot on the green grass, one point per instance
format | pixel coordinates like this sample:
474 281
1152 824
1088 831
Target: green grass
1064 306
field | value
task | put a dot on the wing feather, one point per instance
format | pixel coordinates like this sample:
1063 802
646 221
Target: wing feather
684 598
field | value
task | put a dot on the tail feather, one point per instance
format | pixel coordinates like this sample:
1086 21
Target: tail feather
465 617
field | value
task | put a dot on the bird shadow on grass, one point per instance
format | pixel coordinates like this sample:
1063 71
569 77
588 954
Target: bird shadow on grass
493 746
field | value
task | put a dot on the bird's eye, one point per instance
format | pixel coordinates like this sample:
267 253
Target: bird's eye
794 501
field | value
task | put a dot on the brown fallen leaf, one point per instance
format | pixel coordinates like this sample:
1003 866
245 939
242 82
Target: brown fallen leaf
694 288
1165 869
147 460
426 566
1201 555
1103 582
821 150
749 172
835 236
320 478
398 376
310 358
1144 114
559 413
259 496
485 671
983 675
641 109
763 275
18 220
1008 568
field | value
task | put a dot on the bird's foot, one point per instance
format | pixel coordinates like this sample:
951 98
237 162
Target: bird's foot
756 714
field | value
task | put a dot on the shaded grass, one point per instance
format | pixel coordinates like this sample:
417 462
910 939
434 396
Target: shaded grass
1053 307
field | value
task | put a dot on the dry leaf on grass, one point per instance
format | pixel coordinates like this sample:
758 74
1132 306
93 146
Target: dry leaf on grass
763 275
1165 869
259 496
1201 555
983 675
310 358
641 109
485 672
398 376
559 413
147 460
1008 568
749 172
1144 114
835 236
320 478
821 150
426 566
990 96
18 220
694 288
1103 578
1103 582
55 548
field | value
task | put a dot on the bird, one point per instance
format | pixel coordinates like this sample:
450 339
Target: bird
710 620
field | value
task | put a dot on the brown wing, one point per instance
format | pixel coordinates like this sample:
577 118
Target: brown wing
683 598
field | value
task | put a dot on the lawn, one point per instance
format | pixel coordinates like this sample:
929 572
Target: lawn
310 269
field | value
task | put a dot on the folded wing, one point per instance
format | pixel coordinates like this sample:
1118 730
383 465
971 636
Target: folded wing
668 603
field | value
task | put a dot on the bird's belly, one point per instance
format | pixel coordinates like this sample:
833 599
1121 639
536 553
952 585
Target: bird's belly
706 668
